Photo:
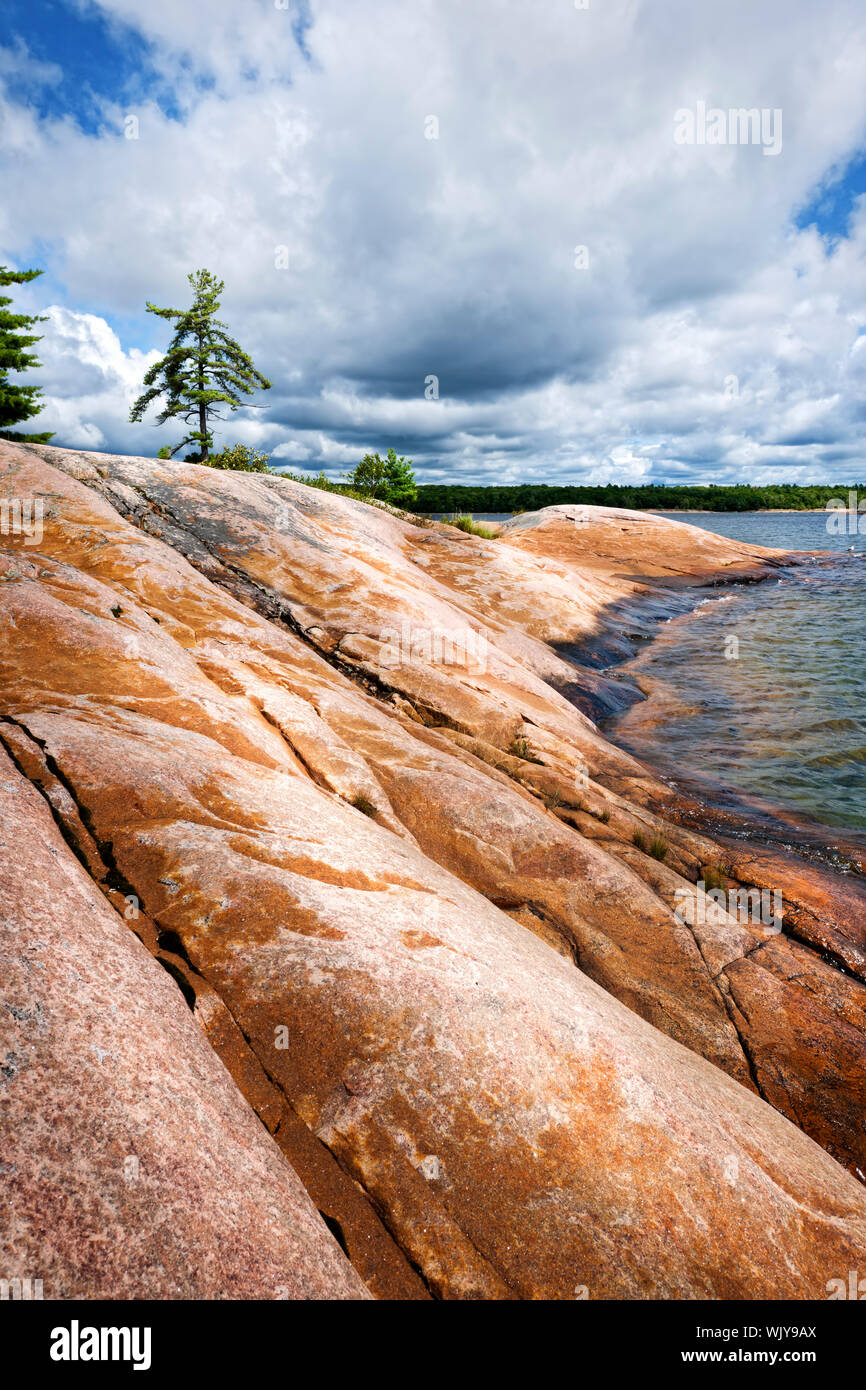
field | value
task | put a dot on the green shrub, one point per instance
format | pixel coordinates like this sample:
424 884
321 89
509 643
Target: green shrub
239 457
317 480
363 803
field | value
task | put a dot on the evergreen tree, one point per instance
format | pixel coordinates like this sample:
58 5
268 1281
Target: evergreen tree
202 368
400 486
17 402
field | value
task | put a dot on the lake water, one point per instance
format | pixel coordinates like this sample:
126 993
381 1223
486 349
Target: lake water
781 712
783 720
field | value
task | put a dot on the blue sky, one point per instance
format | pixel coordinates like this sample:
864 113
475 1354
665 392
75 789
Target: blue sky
833 203
96 58
589 298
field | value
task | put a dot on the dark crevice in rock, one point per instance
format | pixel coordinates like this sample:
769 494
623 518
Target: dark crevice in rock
732 1009
71 836
180 978
352 1174
825 953
336 1230
381 1214
113 877
548 925
350 1165
95 857
170 941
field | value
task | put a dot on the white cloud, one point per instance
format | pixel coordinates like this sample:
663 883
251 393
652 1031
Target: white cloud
89 381
455 257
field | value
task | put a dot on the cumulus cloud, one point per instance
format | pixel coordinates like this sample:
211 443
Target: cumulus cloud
698 333
90 381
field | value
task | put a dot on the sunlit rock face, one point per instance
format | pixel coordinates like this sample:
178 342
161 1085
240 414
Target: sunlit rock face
406 939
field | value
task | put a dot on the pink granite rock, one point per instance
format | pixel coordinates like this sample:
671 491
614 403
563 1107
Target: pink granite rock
471 985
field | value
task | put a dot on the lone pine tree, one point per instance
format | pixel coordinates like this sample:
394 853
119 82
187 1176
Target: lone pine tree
202 368
17 402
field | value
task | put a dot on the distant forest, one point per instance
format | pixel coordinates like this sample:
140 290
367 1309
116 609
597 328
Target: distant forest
528 497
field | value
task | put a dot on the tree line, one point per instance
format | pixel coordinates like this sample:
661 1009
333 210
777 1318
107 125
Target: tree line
665 497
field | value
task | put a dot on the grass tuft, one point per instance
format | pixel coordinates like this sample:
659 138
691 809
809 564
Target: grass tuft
467 523
714 876
520 747
657 847
363 803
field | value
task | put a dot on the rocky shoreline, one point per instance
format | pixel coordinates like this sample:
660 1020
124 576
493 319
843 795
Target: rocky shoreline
321 782
718 807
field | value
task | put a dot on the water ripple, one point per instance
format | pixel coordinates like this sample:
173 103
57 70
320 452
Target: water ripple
779 713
